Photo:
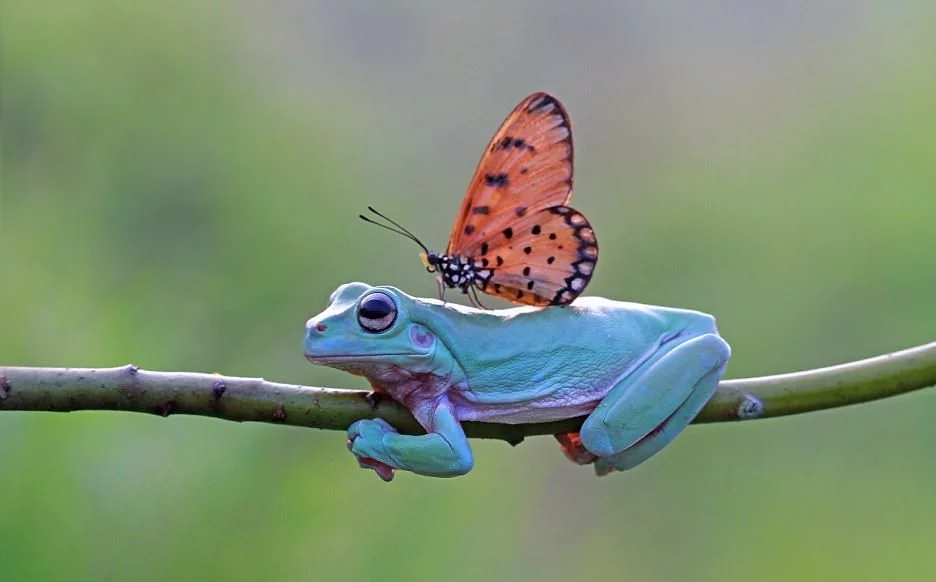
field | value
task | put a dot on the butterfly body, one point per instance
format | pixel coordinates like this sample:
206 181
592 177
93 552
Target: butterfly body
515 236
456 272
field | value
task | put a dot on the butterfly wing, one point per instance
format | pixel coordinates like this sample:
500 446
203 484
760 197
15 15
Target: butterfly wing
526 167
544 258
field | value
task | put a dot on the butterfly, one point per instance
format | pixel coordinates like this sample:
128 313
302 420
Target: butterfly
514 236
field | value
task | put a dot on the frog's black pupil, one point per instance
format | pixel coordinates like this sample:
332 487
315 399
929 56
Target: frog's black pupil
376 307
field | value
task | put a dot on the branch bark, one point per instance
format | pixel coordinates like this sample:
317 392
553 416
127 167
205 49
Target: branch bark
128 388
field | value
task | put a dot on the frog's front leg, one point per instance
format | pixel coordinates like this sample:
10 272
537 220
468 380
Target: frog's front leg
651 405
442 452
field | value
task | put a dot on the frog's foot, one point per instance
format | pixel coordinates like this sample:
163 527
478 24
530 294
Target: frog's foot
626 459
572 447
654 441
365 441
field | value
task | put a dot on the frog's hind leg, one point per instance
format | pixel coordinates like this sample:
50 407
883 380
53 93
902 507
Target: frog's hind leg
662 435
653 404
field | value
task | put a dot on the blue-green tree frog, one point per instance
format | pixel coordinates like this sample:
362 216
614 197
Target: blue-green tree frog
641 373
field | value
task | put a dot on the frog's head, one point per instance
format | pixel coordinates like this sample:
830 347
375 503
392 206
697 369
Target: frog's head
368 331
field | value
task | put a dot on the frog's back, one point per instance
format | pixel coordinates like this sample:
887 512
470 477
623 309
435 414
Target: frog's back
563 355
634 320
609 331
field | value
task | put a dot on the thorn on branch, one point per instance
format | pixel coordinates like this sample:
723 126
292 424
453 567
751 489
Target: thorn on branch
514 437
218 388
750 407
132 370
373 398
167 408
5 387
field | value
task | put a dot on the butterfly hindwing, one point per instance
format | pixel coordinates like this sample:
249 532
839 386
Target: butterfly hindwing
526 167
546 258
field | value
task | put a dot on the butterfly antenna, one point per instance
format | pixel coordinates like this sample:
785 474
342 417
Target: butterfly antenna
400 229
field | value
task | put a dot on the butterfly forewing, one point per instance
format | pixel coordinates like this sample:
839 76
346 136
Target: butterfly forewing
526 167
545 258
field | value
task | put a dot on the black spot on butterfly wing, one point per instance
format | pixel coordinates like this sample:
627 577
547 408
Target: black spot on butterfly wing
499 180
508 142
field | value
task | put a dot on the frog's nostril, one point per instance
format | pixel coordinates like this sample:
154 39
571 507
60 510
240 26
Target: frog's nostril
320 327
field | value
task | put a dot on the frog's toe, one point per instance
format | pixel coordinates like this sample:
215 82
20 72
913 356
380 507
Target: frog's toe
383 470
369 428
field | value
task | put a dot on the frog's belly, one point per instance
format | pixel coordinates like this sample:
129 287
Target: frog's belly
558 406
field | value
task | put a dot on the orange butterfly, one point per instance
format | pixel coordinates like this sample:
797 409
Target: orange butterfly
514 237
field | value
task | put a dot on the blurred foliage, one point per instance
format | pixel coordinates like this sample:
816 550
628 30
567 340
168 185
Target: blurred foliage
179 189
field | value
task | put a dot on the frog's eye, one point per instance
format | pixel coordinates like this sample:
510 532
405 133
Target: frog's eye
376 312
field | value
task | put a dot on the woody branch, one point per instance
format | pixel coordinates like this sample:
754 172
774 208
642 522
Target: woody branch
130 389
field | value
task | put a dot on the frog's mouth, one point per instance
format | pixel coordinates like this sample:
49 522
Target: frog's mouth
337 358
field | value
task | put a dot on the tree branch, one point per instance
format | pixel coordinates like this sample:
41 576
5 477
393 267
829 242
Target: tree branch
252 399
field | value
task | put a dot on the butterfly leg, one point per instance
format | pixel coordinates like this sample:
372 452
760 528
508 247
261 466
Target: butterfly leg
441 285
474 299
648 408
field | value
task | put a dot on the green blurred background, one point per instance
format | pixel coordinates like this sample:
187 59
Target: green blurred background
180 188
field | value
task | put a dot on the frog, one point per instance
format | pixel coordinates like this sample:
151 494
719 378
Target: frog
639 374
